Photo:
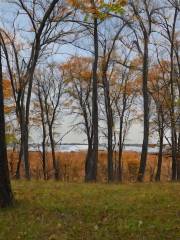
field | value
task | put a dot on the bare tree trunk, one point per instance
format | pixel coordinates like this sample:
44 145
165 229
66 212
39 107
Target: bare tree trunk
88 160
160 154
6 195
25 153
172 110
89 151
121 142
174 152
91 173
144 152
56 170
44 154
109 120
44 133
17 175
110 152
119 173
178 158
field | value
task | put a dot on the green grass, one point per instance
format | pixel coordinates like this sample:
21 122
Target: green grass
57 211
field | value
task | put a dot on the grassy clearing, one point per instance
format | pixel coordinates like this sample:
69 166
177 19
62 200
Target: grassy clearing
58 211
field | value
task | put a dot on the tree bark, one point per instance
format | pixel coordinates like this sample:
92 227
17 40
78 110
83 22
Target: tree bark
44 134
44 155
110 152
56 170
172 110
144 152
88 161
109 120
25 147
178 158
17 175
121 139
160 154
91 173
119 173
6 195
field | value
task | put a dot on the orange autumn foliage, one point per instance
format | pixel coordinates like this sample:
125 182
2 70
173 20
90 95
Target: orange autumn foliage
158 84
7 95
71 165
96 7
7 88
77 68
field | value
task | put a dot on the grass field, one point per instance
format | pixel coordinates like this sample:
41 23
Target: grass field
60 211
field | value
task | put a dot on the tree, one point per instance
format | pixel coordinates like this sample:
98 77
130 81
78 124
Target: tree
49 91
6 195
158 91
143 13
91 170
108 45
124 95
46 29
77 74
169 34
97 11
40 120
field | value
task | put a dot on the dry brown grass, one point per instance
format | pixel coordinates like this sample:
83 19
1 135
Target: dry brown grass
71 165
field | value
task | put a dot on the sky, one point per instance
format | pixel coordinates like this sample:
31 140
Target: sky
134 136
